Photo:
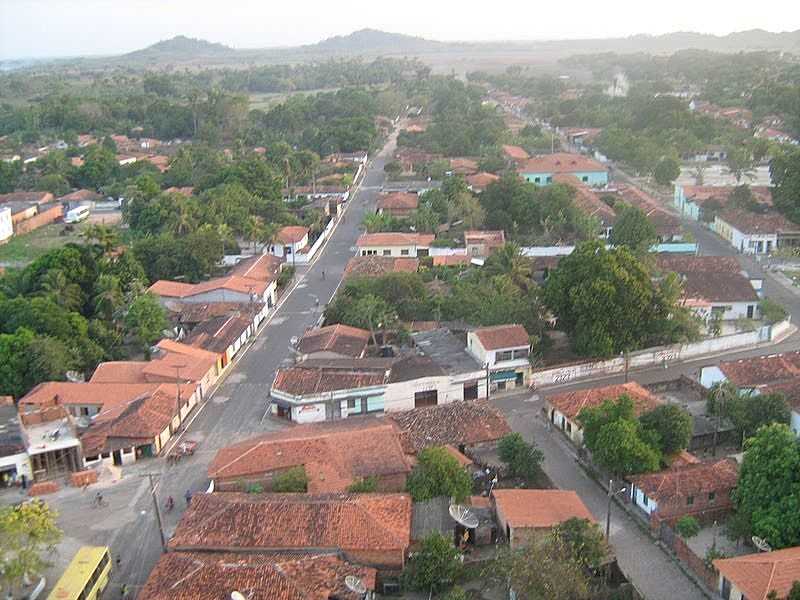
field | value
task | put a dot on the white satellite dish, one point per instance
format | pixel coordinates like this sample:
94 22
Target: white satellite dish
238 595
761 544
355 585
463 516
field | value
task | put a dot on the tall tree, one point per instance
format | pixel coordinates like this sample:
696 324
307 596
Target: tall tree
435 566
438 473
634 230
671 425
145 320
666 171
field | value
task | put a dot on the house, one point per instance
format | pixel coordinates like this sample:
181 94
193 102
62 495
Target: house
589 203
252 279
726 296
268 576
463 425
333 341
463 166
37 198
395 244
755 576
563 409
290 240
667 225
541 169
6 224
505 352
188 315
527 515
702 490
14 460
126 431
82 196
752 233
515 154
483 243
369 529
776 135
53 446
580 136
224 335
701 202
377 266
480 181
697 264
397 204
81 399
328 390
333 456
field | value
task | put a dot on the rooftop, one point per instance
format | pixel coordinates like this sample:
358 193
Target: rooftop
339 339
515 152
503 336
12 441
309 379
698 264
710 286
27 197
398 201
292 234
540 508
446 350
66 393
586 200
456 424
755 223
688 480
376 266
213 575
756 575
560 162
233 521
762 370
493 239
334 455
395 238
570 404
217 334
481 180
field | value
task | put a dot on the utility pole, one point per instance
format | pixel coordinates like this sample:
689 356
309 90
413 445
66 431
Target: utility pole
178 397
158 511
608 508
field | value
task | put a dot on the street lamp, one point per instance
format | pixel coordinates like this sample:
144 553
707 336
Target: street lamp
611 494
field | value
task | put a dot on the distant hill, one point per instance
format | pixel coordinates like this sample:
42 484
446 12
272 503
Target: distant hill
181 47
370 41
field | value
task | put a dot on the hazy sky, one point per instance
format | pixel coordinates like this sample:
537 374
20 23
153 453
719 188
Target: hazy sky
35 28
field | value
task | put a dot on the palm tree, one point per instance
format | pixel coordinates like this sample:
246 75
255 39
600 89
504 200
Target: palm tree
108 296
103 236
254 230
61 290
184 220
225 234
508 260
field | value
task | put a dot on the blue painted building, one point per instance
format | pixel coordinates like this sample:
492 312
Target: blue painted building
541 169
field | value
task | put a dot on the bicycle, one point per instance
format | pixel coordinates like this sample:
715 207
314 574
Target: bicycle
99 502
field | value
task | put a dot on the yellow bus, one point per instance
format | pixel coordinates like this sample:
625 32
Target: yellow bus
86 576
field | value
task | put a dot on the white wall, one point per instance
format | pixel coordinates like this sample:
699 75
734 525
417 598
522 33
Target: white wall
639 497
6 227
395 251
308 413
21 462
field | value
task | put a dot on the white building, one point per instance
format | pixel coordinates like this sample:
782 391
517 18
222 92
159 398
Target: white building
752 233
395 244
290 241
14 461
6 226
504 350
723 295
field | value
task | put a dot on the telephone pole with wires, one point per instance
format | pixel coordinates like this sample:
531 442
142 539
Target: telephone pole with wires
158 510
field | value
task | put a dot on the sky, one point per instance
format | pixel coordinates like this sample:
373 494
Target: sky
49 28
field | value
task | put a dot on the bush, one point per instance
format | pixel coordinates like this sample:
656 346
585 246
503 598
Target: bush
521 458
457 593
254 488
293 480
286 275
435 567
771 311
363 486
438 473
687 527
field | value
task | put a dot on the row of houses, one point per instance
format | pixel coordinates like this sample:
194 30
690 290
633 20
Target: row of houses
303 545
333 379
129 410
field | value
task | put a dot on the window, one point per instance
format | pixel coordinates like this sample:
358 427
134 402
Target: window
288 249
585 179
569 427
351 403
427 398
521 353
369 252
645 500
404 252
504 355
712 497
549 180
375 404
537 180
387 252
689 500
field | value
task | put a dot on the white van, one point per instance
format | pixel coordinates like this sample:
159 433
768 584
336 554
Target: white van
76 215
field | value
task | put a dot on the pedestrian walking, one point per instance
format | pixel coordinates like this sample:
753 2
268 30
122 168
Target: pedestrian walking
124 591
323 275
188 497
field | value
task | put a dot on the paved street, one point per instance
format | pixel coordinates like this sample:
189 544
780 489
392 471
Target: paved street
235 411
647 566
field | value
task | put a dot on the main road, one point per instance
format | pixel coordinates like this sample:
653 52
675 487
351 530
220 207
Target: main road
235 411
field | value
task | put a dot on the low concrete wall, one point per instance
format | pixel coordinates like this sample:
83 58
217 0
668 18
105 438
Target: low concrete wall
305 258
660 355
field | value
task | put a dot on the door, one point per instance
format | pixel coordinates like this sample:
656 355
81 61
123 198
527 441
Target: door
471 391
749 311
117 454
519 381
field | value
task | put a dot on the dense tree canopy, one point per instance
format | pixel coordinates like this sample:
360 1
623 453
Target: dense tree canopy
438 473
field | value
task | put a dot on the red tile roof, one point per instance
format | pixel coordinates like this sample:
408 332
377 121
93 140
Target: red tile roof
233 521
570 404
491 238
120 371
560 162
31 197
700 194
586 200
398 201
69 393
251 275
307 379
515 152
456 423
395 238
292 234
464 166
539 508
710 287
334 455
503 336
451 260
213 575
341 339
767 223
80 196
698 264
480 181
762 370
688 480
756 575
376 266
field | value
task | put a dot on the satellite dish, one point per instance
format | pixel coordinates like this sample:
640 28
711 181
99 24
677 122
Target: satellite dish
463 516
238 595
354 584
761 544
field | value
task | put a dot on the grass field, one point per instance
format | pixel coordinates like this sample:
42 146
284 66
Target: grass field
22 249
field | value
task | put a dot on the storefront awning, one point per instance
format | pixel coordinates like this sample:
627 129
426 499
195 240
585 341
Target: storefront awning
504 375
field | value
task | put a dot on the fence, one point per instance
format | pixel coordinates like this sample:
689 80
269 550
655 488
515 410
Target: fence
43 218
674 543
660 355
302 258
